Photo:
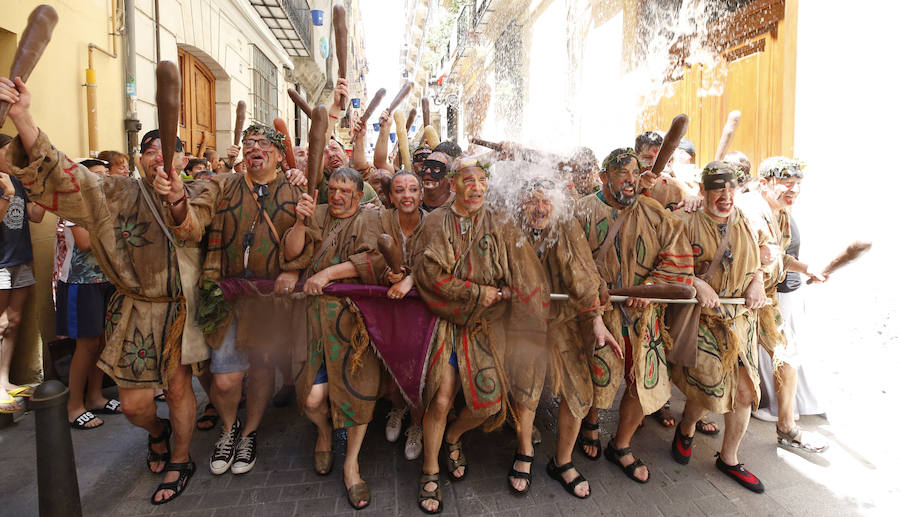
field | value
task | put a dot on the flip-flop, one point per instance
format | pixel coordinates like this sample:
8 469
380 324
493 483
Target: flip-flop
703 423
22 391
10 406
110 408
82 420
204 418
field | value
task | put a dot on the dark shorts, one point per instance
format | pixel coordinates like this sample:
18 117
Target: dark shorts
81 309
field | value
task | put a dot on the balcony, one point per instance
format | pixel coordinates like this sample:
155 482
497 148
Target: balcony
291 23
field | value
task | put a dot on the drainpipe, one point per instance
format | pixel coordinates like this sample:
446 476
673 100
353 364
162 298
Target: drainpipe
132 124
90 81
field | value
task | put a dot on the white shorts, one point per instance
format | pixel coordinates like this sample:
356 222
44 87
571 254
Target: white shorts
16 277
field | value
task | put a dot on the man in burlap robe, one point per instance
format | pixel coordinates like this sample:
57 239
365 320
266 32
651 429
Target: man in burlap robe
769 214
146 315
465 254
725 378
245 217
575 328
649 247
340 382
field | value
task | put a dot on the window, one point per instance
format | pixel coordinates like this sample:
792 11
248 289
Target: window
265 88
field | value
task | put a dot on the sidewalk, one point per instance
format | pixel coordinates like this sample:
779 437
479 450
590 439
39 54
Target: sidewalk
114 480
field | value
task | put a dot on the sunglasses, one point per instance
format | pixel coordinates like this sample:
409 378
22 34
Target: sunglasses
436 169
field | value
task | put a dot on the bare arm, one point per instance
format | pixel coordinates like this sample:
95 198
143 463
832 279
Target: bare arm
359 146
380 160
35 212
82 238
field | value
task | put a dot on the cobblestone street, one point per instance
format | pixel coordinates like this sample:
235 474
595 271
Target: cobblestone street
114 480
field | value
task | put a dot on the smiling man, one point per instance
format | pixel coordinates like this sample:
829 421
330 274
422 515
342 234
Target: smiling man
245 218
634 241
465 255
725 378
341 380
144 346
770 216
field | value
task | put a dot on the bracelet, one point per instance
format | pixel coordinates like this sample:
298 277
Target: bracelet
8 198
332 116
173 204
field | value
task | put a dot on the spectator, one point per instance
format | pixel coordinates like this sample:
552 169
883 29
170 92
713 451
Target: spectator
16 274
82 293
198 168
118 162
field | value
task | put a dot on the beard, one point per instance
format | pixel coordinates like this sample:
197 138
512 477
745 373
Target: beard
625 199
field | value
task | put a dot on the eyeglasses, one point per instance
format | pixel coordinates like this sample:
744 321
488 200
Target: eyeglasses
264 143
436 169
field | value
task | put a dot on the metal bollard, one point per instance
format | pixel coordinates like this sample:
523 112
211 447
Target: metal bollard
57 479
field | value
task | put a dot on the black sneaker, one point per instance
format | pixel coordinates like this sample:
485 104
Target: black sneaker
741 475
224 449
245 457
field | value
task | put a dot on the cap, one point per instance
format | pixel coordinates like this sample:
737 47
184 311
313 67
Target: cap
152 135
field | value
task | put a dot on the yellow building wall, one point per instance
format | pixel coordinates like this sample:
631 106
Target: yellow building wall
761 86
59 107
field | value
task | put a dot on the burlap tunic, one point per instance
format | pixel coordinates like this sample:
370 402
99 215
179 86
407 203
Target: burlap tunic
668 192
649 247
224 210
726 340
336 333
456 258
566 258
390 224
774 230
146 315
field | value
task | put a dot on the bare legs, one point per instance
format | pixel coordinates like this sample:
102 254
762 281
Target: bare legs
735 421
565 442
786 392
225 394
84 374
631 414
434 422
140 409
525 446
12 305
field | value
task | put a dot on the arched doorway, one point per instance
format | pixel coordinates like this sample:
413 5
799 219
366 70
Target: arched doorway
198 103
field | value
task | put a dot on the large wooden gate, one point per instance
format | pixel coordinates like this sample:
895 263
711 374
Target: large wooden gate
198 103
760 82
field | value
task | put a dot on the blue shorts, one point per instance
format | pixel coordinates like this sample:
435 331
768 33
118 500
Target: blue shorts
81 309
227 358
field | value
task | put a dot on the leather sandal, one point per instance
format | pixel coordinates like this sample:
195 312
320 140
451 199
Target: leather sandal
555 471
460 461
701 427
589 442
357 493
153 456
615 456
435 494
185 471
799 440
323 461
518 474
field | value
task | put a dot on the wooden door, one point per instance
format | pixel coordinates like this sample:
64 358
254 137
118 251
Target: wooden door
198 104
760 83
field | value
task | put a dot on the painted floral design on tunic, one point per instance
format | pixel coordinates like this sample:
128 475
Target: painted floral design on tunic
133 232
138 353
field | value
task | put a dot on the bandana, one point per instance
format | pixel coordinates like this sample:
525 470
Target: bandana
270 133
465 163
781 167
618 159
718 175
